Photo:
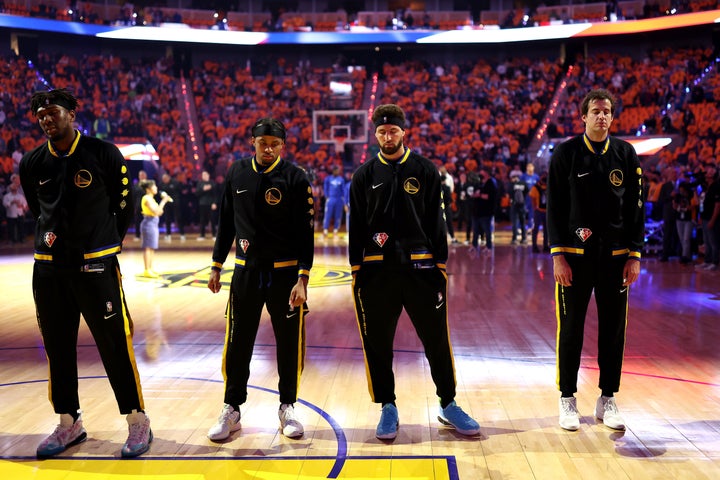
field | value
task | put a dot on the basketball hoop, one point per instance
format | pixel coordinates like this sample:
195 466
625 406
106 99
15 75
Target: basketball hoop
339 143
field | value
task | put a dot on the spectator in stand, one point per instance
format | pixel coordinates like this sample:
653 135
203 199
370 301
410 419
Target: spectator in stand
205 190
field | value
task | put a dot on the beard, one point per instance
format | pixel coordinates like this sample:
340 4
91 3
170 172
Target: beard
390 149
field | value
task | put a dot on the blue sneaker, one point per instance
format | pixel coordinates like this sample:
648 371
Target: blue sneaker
453 416
388 426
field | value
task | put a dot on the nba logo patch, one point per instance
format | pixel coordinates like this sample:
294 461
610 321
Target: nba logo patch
108 307
380 238
49 238
244 244
583 233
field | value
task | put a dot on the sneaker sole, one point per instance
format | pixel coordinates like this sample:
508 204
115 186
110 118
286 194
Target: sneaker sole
386 436
80 439
572 428
127 454
293 435
447 422
390 435
233 428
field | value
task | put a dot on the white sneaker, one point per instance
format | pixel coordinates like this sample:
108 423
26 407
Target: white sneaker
607 411
289 423
66 434
569 416
139 435
228 421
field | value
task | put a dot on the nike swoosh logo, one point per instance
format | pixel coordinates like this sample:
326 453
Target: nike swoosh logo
238 192
623 290
290 315
43 182
376 186
110 316
439 305
583 174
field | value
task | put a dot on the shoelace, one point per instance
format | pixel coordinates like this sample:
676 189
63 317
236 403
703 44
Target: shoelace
137 433
226 415
611 408
289 415
569 408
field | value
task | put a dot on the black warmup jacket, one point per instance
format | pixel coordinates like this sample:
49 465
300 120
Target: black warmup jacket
396 214
269 215
594 199
82 201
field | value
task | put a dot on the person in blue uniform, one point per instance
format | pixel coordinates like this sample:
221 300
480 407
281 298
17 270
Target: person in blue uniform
334 191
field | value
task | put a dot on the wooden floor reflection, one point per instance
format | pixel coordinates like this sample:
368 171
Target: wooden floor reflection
503 330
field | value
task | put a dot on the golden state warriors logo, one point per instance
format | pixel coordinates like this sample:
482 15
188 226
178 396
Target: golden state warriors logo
83 179
411 185
616 177
273 196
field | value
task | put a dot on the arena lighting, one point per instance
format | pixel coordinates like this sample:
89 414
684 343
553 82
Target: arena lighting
217 37
649 146
549 32
138 151
464 35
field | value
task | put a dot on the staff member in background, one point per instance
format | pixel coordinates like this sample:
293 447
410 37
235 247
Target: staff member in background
267 211
79 190
538 197
398 249
596 222
205 191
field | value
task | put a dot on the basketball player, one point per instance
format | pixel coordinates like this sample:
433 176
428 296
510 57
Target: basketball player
267 211
398 249
596 226
79 190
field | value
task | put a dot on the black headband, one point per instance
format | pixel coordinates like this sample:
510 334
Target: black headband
389 120
261 129
59 101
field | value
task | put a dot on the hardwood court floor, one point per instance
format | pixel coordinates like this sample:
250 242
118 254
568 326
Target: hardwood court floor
503 330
